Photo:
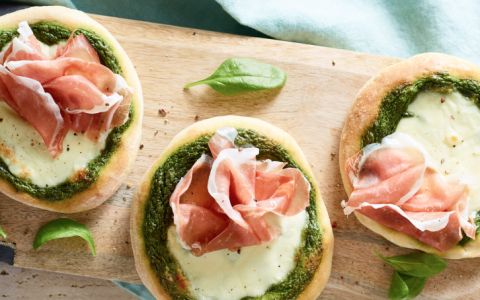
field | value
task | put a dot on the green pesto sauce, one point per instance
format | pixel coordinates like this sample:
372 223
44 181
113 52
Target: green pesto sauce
159 217
395 104
52 33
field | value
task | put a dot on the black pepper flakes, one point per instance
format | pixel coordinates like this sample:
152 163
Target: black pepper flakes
197 117
141 147
333 63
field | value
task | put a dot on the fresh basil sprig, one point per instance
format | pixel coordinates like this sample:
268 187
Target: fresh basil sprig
3 235
63 228
411 273
237 75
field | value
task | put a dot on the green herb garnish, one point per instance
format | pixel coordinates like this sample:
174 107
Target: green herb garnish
3 234
411 273
63 228
405 287
238 75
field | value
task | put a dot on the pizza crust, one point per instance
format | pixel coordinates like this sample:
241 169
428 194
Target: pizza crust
364 112
191 133
113 174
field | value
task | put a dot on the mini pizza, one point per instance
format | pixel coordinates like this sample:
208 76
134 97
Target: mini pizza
410 155
231 210
70 110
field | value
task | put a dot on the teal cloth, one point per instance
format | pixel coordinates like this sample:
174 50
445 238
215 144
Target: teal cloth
201 14
394 28
136 289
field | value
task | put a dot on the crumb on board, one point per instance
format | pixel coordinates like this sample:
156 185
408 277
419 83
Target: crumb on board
332 156
162 112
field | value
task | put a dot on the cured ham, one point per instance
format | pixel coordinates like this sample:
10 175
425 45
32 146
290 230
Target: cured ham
43 113
76 94
395 184
23 47
79 47
67 90
227 201
48 70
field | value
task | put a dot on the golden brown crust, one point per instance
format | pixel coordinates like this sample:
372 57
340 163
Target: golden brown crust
191 133
364 112
112 175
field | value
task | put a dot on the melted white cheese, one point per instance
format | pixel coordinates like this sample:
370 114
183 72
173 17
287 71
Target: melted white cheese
448 127
225 274
25 153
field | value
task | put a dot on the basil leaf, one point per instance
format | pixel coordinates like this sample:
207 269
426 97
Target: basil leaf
415 285
398 288
404 287
3 235
417 264
63 228
237 75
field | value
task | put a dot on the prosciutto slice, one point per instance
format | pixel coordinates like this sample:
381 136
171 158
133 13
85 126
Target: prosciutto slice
79 47
225 201
43 113
48 70
76 94
24 47
67 90
395 185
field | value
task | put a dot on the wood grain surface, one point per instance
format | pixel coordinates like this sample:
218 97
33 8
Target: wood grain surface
321 86
28 284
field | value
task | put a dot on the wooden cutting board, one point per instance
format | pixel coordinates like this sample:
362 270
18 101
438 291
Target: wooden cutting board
321 86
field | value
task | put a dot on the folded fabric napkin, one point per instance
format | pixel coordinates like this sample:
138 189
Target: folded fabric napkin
394 28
